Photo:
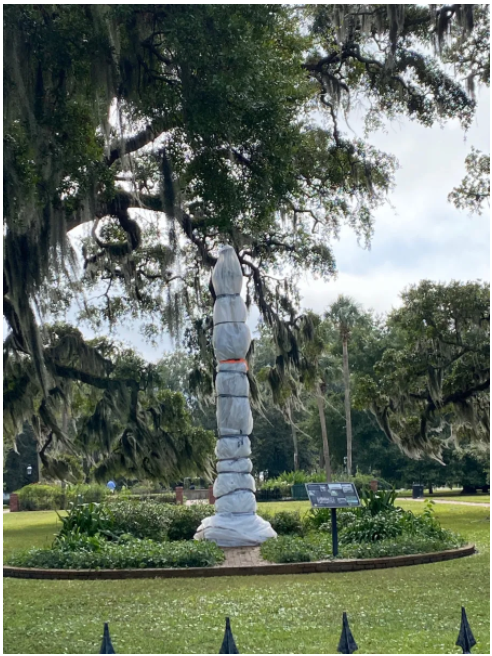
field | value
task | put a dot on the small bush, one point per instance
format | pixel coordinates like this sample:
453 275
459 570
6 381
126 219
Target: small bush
41 497
185 520
285 522
292 549
142 519
403 545
88 519
380 501
129 553
390 524
89 493
54 497
287 549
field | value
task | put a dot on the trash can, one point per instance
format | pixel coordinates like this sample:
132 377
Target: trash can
299 492
417 491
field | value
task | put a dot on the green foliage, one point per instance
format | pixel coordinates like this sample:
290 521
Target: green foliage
185 520
474 190
434 371
318 518
285 523
403 545
390 523
54 497
127 553
291 549
88 519
146 519
41 497
378 502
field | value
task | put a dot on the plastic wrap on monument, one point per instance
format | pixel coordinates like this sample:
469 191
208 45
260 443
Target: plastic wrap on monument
227 277
227 483
234 465
235 523
231 383
240 501
234 416
229 308
231 341
231 530
233 447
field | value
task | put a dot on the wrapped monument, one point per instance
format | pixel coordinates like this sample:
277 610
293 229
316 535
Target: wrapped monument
235 523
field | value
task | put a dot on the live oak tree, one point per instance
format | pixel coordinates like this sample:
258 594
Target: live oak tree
474 191
431 385
168 130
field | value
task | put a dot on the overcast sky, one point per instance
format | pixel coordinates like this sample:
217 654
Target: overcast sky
419 235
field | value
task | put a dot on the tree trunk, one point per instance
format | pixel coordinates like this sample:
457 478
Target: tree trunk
294 438
348 416
324 436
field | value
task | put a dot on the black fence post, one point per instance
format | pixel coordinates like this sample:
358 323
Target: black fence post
346 644
107 645
466 639
228 644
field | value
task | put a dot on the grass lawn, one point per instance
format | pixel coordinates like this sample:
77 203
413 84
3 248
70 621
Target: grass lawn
412 610
452 495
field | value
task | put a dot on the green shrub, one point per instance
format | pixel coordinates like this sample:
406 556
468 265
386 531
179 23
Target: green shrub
293 549
390 524
128 553
54 497
41 497
380 501
185 520
142 519
288 549
77 541
88 519
285 522
87 493
403 545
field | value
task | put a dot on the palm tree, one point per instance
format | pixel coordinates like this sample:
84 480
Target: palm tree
344 313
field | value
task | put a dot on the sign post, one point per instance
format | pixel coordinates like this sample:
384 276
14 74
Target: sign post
333 496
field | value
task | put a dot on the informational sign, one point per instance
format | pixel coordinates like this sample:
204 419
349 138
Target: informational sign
333 495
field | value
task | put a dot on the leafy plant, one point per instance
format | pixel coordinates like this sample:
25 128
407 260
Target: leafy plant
142 519
380 501
293 549
185 520
88 519
128 553
285 522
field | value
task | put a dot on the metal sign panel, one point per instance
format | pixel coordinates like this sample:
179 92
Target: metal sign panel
333 495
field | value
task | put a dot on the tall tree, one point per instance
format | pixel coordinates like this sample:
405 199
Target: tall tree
344 313
435 370
168 129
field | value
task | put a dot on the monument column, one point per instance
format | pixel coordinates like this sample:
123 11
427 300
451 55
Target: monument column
235 523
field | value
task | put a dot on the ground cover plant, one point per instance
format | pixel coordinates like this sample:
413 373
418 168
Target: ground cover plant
397 611
125 534
83 552
376 529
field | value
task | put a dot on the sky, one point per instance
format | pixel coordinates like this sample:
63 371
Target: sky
418 234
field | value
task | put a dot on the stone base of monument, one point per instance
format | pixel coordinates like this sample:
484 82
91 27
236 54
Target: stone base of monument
235 530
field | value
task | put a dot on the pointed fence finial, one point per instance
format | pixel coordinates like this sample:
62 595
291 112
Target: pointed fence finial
347 644
466 639
228 644
107 645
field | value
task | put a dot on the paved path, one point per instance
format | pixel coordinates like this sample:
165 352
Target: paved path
457 503
242 557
